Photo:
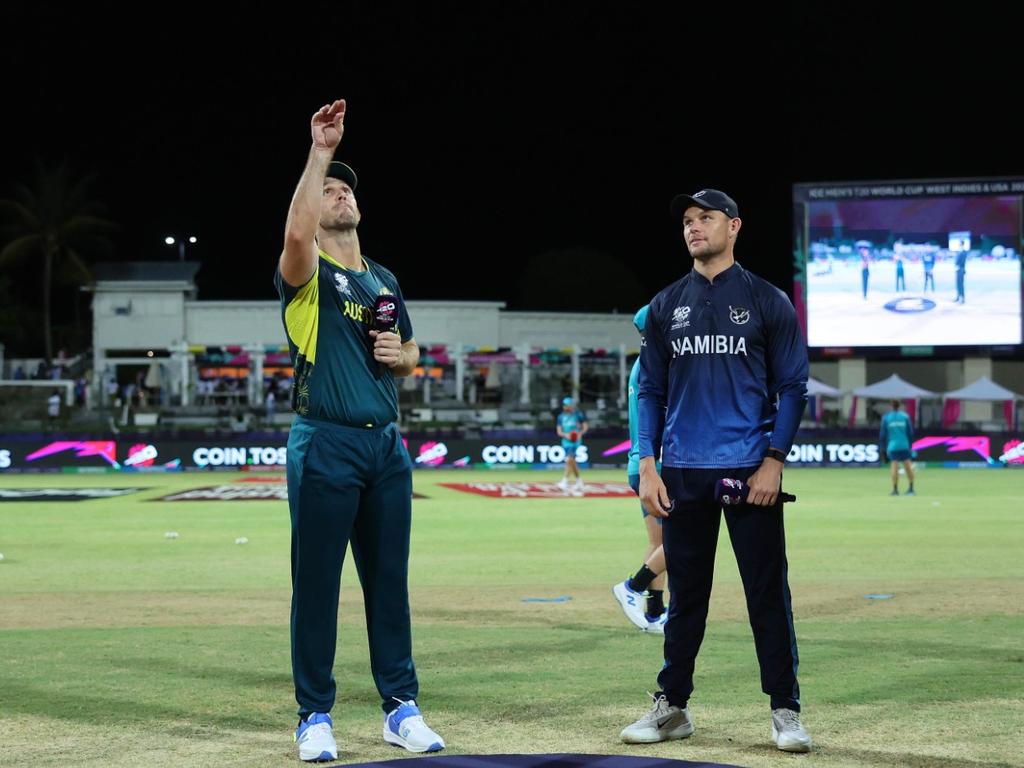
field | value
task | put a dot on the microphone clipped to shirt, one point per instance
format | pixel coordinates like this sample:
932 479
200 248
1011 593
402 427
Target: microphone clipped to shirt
731 493
385 319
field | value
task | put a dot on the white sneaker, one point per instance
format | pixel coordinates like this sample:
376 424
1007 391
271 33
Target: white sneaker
632 603
577 490
657 626
404 727
316 739
563 485
787 732
664 722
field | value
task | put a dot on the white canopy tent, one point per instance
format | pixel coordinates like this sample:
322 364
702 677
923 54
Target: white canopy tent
892 388
815 388
984 390
819 391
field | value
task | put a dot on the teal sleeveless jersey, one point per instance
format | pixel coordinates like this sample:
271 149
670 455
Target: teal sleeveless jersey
327 322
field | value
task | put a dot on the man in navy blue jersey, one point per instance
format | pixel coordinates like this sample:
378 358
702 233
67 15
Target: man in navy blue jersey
723 384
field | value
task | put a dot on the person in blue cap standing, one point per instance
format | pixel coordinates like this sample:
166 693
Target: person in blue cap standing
571 426
723 384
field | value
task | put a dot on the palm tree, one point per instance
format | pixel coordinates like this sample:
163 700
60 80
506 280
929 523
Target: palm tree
54 218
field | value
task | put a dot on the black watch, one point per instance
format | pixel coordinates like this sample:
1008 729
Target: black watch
775 453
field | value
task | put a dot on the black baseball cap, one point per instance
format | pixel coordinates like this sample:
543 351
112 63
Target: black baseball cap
708 199
338 170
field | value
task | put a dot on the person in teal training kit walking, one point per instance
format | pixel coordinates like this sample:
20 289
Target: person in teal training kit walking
349 473
648 583
895 441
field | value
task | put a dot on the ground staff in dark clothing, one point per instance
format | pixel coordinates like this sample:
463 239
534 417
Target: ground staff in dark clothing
723 384
349 474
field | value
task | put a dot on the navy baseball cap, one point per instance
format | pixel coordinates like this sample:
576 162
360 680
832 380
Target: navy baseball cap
338 170
709 200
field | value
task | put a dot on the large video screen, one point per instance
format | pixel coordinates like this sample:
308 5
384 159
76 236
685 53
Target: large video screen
910 264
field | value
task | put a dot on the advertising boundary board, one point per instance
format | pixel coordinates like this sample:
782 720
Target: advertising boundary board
246 452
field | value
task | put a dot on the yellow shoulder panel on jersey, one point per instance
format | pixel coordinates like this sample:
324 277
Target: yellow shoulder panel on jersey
302 318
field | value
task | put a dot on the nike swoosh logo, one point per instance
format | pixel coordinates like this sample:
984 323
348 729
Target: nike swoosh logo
662 721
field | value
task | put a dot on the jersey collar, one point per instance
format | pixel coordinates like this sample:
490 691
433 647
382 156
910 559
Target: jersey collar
331 260
732 272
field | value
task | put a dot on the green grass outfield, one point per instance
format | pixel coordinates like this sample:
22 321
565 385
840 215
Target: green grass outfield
120 647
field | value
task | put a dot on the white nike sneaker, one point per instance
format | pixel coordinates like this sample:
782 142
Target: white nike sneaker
664 722
632 603
404 727
787 732
316 739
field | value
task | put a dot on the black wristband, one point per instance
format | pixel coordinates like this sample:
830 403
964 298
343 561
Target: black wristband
775 453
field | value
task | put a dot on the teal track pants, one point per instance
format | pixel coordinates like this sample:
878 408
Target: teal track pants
349 485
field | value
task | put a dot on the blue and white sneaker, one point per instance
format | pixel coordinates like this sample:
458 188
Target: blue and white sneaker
632 603
316 739
656 625
404 727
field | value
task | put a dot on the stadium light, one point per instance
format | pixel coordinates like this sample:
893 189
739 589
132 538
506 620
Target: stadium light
192 239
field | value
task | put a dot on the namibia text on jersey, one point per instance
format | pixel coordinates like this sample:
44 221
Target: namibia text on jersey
709 345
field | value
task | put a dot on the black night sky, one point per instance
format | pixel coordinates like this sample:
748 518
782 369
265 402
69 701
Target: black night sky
516 151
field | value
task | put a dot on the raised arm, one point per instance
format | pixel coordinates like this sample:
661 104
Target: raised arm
299 258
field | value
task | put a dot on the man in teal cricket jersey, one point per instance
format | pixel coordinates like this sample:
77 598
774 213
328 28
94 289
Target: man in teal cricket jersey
895 441
571 426
651 576
349 474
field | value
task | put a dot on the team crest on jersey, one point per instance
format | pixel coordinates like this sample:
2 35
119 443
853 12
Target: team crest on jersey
679 315
384 291
739 315
341 283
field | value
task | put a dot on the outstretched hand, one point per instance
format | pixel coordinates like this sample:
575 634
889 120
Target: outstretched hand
328 125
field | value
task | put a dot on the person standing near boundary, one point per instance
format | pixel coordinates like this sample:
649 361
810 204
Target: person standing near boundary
650 579
723 384
349 473
571 426
895 440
